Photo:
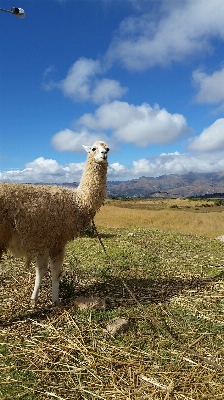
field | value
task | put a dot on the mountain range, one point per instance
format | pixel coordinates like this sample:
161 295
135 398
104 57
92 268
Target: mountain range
191 184
186 185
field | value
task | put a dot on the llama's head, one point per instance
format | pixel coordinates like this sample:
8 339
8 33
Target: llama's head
98 151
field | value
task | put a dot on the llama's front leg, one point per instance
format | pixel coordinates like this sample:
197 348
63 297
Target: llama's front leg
41 269
56 269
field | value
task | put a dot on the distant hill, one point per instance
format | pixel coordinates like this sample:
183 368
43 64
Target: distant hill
191 184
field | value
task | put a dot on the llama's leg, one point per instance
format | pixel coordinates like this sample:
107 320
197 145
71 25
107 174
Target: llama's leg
41 269
56 269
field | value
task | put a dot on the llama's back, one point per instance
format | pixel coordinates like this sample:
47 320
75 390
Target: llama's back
39 216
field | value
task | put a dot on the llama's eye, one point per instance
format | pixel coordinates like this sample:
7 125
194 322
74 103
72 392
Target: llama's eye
94 149
107 149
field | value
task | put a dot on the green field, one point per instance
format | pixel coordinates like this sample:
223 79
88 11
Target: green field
167 282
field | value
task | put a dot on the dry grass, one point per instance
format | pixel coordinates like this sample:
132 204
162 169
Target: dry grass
185 216
170 288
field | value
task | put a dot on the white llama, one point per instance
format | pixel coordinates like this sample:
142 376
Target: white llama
36 221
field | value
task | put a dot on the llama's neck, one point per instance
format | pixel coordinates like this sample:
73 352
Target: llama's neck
92 188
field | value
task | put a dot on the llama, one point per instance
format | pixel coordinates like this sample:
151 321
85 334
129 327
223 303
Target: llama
36 221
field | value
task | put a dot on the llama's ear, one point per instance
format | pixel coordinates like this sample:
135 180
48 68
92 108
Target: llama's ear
87 148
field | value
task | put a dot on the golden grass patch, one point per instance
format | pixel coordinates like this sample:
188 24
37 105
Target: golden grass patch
209 224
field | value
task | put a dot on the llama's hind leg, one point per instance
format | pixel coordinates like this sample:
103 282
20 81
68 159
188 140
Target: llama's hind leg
41 269
56 268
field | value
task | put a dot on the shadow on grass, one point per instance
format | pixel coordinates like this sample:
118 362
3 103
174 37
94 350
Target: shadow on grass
116 292
91 233
146 291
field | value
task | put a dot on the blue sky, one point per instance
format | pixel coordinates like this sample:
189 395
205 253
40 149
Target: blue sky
146 76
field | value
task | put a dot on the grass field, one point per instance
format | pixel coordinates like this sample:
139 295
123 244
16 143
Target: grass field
202 217
162 270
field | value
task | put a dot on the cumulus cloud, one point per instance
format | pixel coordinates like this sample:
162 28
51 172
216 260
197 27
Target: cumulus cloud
117 171
178 30
140 125
177 163
211 88
174 163
68 140
105 90
82 83
44 170
211 139
49 171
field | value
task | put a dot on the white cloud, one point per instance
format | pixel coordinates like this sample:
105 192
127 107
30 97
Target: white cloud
211 139
68 140
82 83
105 90
140 125
44 170
164 164
78 80
211 88
49 171
41 165
179 29
176 163
117 171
